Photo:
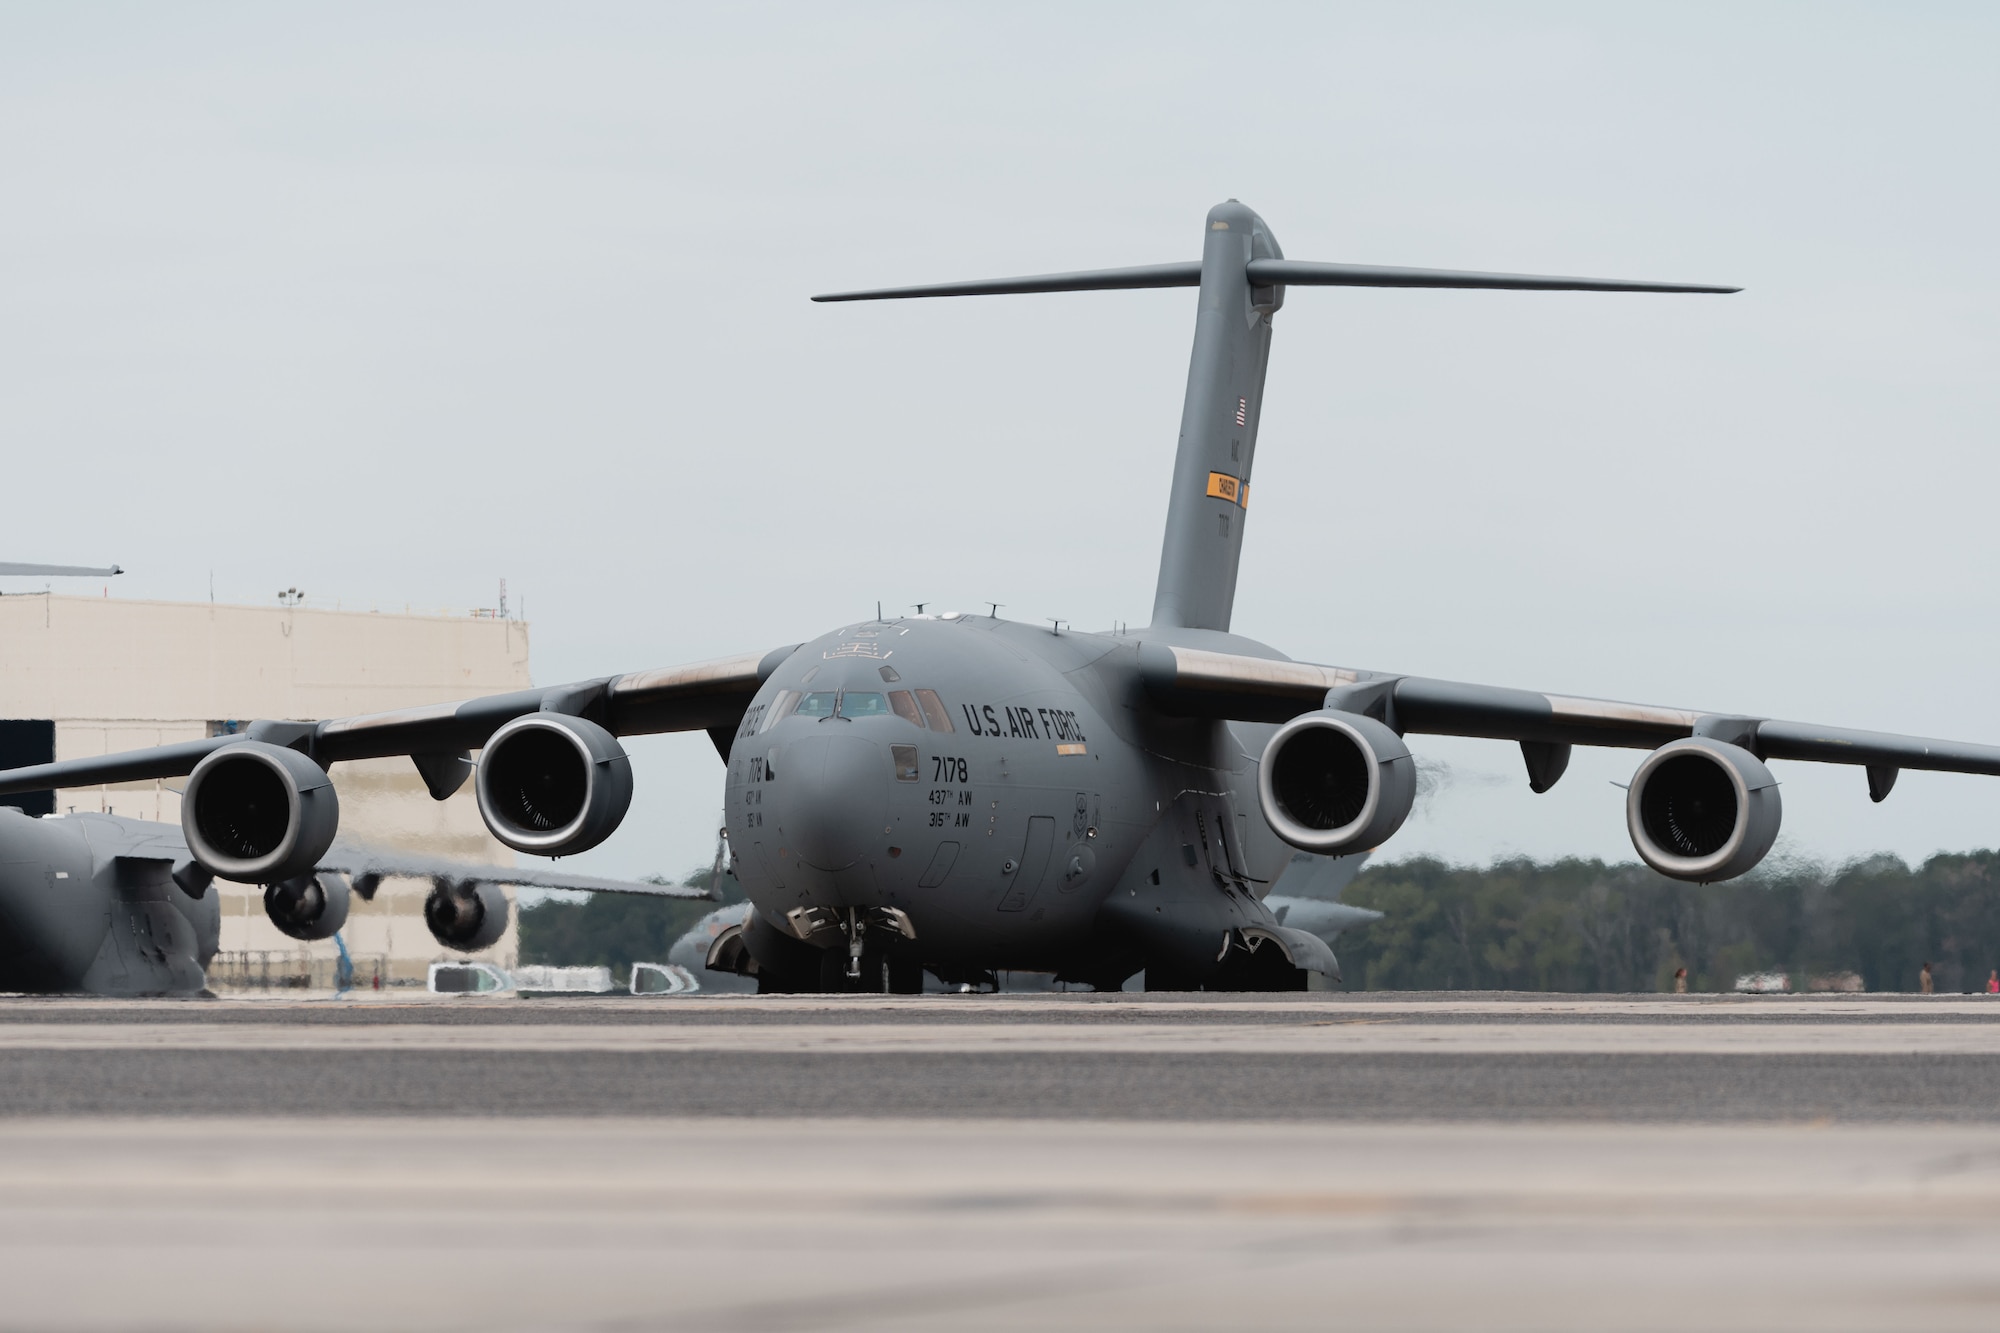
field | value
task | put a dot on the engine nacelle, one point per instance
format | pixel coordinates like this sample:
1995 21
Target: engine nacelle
259 813
309 907
1335 782
1702 810
466 917
550 784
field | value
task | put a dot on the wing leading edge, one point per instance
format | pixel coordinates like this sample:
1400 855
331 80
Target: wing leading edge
1195 682
703 696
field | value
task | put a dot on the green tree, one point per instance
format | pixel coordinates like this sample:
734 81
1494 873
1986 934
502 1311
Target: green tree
1584 925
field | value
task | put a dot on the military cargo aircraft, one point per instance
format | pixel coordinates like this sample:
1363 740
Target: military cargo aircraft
966 794
104 905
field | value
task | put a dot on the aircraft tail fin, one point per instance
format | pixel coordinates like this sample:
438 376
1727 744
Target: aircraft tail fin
1242 276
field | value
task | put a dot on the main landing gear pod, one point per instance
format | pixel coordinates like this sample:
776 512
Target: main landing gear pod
1334 782
552 785
259 813
1702 810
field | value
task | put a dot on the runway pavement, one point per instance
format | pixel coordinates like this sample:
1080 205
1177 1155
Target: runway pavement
1307 1057
999 1163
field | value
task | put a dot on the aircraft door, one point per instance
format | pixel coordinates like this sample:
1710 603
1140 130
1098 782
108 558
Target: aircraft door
1030 865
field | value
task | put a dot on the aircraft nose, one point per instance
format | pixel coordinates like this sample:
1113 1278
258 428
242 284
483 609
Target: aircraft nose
832 797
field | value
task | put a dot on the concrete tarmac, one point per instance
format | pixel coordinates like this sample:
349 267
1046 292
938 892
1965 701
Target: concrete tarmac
998 1163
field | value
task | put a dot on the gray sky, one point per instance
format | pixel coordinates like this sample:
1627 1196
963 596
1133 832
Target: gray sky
391 302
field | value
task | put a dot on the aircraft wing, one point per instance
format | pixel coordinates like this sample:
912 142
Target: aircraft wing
357 860
1197 683
15 570
703 696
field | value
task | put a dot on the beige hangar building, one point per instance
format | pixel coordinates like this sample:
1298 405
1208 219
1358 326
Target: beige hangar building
84 676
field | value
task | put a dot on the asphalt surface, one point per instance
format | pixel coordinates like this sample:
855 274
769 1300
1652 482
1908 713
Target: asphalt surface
1002 1163
501 1224
1304 1058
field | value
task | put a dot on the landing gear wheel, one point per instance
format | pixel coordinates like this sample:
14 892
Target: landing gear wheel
833 976
906 975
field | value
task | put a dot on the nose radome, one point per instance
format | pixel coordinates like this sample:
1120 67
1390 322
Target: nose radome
831 797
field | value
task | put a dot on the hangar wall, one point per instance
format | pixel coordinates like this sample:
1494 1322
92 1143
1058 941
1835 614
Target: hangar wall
115 675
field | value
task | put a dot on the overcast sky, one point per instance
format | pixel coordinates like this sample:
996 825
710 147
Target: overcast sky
391 302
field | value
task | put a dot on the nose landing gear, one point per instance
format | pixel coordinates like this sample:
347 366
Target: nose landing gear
875 956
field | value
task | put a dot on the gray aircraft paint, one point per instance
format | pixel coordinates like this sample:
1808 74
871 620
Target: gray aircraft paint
1083 804
1206 509
691 950
10 569
1306 897
1154 819
88 903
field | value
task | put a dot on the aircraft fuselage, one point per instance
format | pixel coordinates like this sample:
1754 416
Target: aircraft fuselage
88 903
1009 788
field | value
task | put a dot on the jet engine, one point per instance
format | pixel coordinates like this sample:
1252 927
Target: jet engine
259 813
551 784
1702 810
308 907
466 917
1335 782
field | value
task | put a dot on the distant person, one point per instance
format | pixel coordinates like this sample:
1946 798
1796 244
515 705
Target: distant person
1681 980
1993 982
1924 978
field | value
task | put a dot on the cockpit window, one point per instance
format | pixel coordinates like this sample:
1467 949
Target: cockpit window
934 710
863 705
780 707
906 707
817 704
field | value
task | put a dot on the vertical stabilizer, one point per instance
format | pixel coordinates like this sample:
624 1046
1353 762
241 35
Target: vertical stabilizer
1225 397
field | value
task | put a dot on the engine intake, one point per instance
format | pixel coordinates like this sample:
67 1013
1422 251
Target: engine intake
259 813
466 917
551 785
1335 782
309 907
1702 810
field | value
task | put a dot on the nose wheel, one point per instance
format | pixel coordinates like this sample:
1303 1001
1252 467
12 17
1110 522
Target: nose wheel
835 975
860 965
879 972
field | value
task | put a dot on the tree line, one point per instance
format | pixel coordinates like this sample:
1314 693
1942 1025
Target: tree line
616 930
1577 925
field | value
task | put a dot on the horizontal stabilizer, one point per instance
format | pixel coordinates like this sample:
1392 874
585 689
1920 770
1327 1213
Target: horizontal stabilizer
1268 273
1294 273
1092 280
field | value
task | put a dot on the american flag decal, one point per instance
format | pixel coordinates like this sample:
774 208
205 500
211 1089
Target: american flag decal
1242 410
